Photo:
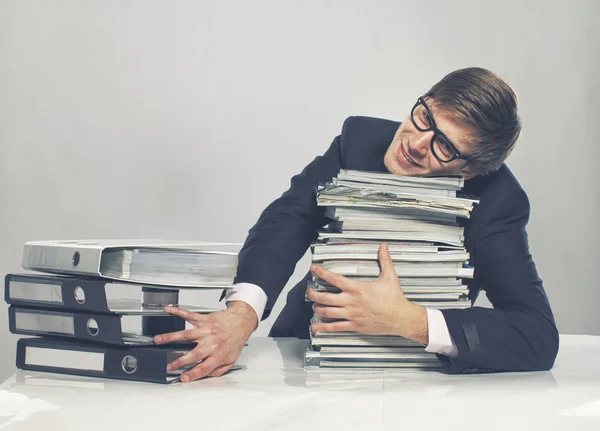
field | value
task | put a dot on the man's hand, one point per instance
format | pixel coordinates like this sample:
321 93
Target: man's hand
220 337
377 308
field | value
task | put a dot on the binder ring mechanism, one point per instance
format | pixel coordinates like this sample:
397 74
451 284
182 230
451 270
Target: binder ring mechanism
157 298
153 297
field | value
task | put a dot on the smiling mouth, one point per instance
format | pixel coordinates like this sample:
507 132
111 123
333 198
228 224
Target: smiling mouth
407 157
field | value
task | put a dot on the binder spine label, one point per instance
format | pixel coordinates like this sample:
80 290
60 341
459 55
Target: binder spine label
42 292
64 359
46 323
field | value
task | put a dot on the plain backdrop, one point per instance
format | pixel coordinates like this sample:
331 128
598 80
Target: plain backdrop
184 119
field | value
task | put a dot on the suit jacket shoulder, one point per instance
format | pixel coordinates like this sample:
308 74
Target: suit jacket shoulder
364 141
502 203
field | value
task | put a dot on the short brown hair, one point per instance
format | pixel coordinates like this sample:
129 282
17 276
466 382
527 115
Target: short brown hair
485 102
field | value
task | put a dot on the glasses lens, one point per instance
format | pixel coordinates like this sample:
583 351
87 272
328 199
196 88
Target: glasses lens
421 118
443 149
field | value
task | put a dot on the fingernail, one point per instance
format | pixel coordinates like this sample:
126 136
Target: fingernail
313 267
314 328
157 339
167 308
169 367
385 246
185 378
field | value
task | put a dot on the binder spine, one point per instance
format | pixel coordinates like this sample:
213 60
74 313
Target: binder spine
115 362
56 292
64 258
104 328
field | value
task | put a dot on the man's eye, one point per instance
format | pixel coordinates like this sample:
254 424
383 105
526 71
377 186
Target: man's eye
426 118
447 148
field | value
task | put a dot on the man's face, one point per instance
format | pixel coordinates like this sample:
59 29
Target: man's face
410 151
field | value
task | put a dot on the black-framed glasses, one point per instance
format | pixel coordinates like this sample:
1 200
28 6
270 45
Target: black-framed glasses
441 147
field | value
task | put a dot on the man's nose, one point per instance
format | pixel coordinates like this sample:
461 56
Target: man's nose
419 145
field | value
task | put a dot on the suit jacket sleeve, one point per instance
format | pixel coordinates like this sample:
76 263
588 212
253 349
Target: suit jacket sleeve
287 227
519 334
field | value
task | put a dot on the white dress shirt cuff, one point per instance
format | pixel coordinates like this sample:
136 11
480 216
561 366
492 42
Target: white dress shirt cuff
251 294
440 340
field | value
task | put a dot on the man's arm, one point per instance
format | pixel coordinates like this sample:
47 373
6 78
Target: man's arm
286 228
519 334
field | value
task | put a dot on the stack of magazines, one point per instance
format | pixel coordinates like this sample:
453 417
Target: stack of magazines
419 219
85 327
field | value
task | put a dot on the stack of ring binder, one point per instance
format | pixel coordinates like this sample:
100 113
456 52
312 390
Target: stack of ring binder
82 330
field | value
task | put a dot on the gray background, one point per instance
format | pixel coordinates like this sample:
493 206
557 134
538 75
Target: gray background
184 119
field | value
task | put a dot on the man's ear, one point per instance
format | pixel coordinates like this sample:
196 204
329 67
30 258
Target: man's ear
467 172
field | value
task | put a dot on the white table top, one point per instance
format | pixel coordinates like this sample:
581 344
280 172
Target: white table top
275 392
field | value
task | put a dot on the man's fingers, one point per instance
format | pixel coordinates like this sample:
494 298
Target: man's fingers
219 371
327 298
199 371
184 314
332 278
385 262
332 327
198 354
182 336
175 337
330 312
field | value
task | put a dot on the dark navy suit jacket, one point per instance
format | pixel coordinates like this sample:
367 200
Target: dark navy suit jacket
519 334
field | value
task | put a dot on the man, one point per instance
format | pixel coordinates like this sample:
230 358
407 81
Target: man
466 124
